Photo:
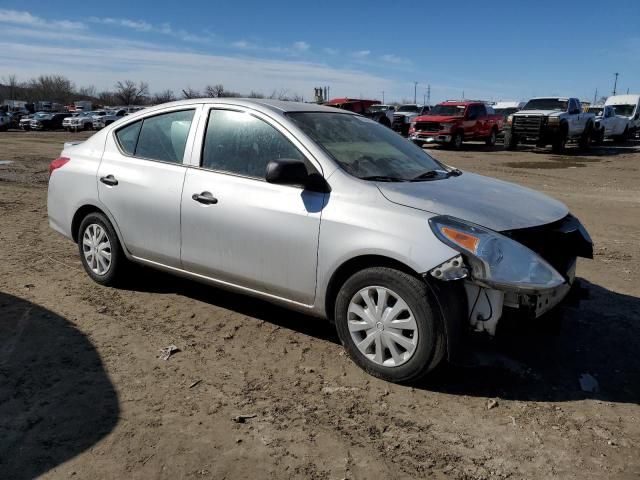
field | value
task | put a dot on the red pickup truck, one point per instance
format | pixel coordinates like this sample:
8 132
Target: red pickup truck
453 122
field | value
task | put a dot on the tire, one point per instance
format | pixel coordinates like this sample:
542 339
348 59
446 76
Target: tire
421 346
91 226
88 126
559 142
623 138
585 139
385 121
491 139
598 137
456 141
510 140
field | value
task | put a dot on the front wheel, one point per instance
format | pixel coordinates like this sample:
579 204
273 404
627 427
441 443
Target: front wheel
456 141
510 140
559 142
491 139
388 325
100 251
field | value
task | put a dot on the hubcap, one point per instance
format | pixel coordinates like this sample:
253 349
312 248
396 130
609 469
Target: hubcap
382 326
97 249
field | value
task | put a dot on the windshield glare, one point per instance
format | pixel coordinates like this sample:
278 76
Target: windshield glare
365 148
448 110
547 104
624 110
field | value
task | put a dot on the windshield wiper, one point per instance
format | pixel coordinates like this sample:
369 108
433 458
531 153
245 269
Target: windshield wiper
383 178
426 175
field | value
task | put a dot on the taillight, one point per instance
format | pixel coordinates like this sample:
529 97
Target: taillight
57 163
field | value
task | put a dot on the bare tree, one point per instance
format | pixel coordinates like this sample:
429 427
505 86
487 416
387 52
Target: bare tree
163 97
128 93
190 93
12 86
214 91
55 88
89 91
107 98
254 94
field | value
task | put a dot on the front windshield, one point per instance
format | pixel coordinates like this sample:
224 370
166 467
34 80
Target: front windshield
624 110
596 110
378 108
364 148
408 108
448 110
547 104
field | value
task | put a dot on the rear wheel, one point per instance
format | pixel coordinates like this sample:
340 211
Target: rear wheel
491 139
388 326
623 138
585 138
100 251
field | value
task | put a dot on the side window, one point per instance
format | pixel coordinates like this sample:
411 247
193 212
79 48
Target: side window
128 137
164 137
240 143
572 105
482 111
473 112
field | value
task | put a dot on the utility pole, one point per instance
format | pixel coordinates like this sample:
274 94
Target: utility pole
415 92
383 96
428 95
615 83
595 96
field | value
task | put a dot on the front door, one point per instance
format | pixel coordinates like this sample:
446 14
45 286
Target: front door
239 229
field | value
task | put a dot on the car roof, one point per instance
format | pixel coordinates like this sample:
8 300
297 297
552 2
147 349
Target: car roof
278 107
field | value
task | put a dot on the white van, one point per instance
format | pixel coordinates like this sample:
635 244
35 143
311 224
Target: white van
627 106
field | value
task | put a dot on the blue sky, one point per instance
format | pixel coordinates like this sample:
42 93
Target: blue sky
490 50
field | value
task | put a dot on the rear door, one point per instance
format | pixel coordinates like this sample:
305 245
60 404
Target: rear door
236 227
140 181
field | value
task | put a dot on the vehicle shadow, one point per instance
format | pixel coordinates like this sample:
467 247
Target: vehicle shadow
538 361
544 360
148 280
467 147
607 149
56 400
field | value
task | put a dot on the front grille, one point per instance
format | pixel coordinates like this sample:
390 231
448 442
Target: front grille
527 125
559 243
428 126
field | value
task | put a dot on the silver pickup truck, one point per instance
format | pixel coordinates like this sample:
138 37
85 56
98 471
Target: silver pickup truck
549 121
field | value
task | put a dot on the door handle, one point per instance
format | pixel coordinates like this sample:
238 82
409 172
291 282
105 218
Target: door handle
205 198
109 180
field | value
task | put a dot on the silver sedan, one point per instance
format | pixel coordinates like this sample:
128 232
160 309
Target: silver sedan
320 210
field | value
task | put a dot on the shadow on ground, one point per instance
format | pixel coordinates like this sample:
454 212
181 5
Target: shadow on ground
56 400
537 361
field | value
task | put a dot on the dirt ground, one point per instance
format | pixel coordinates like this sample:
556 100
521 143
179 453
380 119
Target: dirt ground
83 393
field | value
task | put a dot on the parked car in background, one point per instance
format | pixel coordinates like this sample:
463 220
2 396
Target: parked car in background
48 121
381 113
453 122
549 120
405 114
608 124
5 121
110 117
25 122
79 121
406 257
351 104
627 106
505 108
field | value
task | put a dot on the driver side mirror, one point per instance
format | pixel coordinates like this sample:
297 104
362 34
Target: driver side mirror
289 171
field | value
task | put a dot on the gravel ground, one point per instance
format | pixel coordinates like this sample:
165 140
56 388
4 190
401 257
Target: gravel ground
83 392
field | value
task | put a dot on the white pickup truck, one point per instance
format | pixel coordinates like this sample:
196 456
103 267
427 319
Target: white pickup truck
609 124
549 120
627 106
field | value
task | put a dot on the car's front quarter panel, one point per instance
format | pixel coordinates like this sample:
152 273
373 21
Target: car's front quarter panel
358 221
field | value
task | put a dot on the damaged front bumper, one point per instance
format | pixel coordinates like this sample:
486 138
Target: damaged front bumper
559 243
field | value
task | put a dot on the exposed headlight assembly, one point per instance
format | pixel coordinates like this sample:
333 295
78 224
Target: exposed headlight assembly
495 260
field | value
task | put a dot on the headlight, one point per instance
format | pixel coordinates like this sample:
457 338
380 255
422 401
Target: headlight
447 126
496 260
510 120
553 120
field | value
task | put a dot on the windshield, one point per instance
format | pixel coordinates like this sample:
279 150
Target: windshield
378 108
547 104
364 148
596 110
408 108
448 110
624 110
42 115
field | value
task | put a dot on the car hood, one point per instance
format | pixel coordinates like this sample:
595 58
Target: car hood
546 113
439 118
482 200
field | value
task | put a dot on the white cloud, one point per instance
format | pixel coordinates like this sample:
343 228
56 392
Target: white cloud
139 25
361 54
301 46
389 58
16 17
331 51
